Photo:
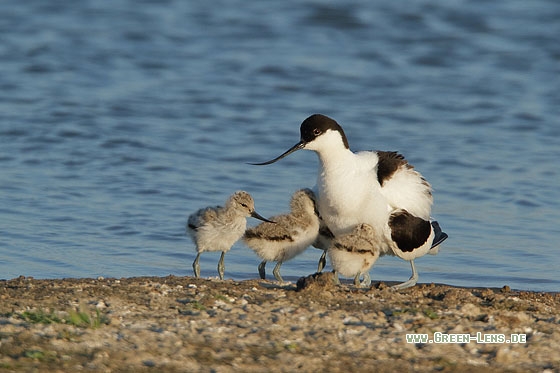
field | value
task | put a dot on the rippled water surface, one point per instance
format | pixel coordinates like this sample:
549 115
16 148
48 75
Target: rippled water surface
118 119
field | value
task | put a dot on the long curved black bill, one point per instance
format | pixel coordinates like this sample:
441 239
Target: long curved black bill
257 216
298 146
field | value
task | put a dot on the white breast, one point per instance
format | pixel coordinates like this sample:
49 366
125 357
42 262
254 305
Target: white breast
349 193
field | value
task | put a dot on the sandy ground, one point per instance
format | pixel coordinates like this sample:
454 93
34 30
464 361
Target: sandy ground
184 324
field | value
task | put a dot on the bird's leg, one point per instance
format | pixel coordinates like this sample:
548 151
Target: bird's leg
367 280
276 272
322 261
335 277
196 266
262 269
365 283
411 282
357 279
221 266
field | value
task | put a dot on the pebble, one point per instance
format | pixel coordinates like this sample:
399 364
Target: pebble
243 326
470 309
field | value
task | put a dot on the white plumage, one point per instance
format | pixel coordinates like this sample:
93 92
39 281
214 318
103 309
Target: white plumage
375 187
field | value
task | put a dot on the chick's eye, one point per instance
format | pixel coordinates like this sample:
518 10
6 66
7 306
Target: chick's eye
316 131
244 205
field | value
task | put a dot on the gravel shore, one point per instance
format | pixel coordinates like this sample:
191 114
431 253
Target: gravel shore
184 324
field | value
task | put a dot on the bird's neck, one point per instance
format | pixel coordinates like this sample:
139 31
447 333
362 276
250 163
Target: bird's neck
335 159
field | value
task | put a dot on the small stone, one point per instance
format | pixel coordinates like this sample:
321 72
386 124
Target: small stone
470 309
322 281
504 355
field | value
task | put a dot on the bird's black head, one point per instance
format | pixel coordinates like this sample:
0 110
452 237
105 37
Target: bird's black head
310 129
316 125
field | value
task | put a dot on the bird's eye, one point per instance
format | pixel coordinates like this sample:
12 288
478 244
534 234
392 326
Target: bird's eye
316 131
244 205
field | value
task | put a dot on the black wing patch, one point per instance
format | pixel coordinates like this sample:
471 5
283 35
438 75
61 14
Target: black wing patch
388 164
408 231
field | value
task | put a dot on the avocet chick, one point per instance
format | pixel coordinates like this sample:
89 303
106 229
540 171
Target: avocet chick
218 228
290 235
353 254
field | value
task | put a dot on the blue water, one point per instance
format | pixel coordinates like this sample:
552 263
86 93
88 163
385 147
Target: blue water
118 119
